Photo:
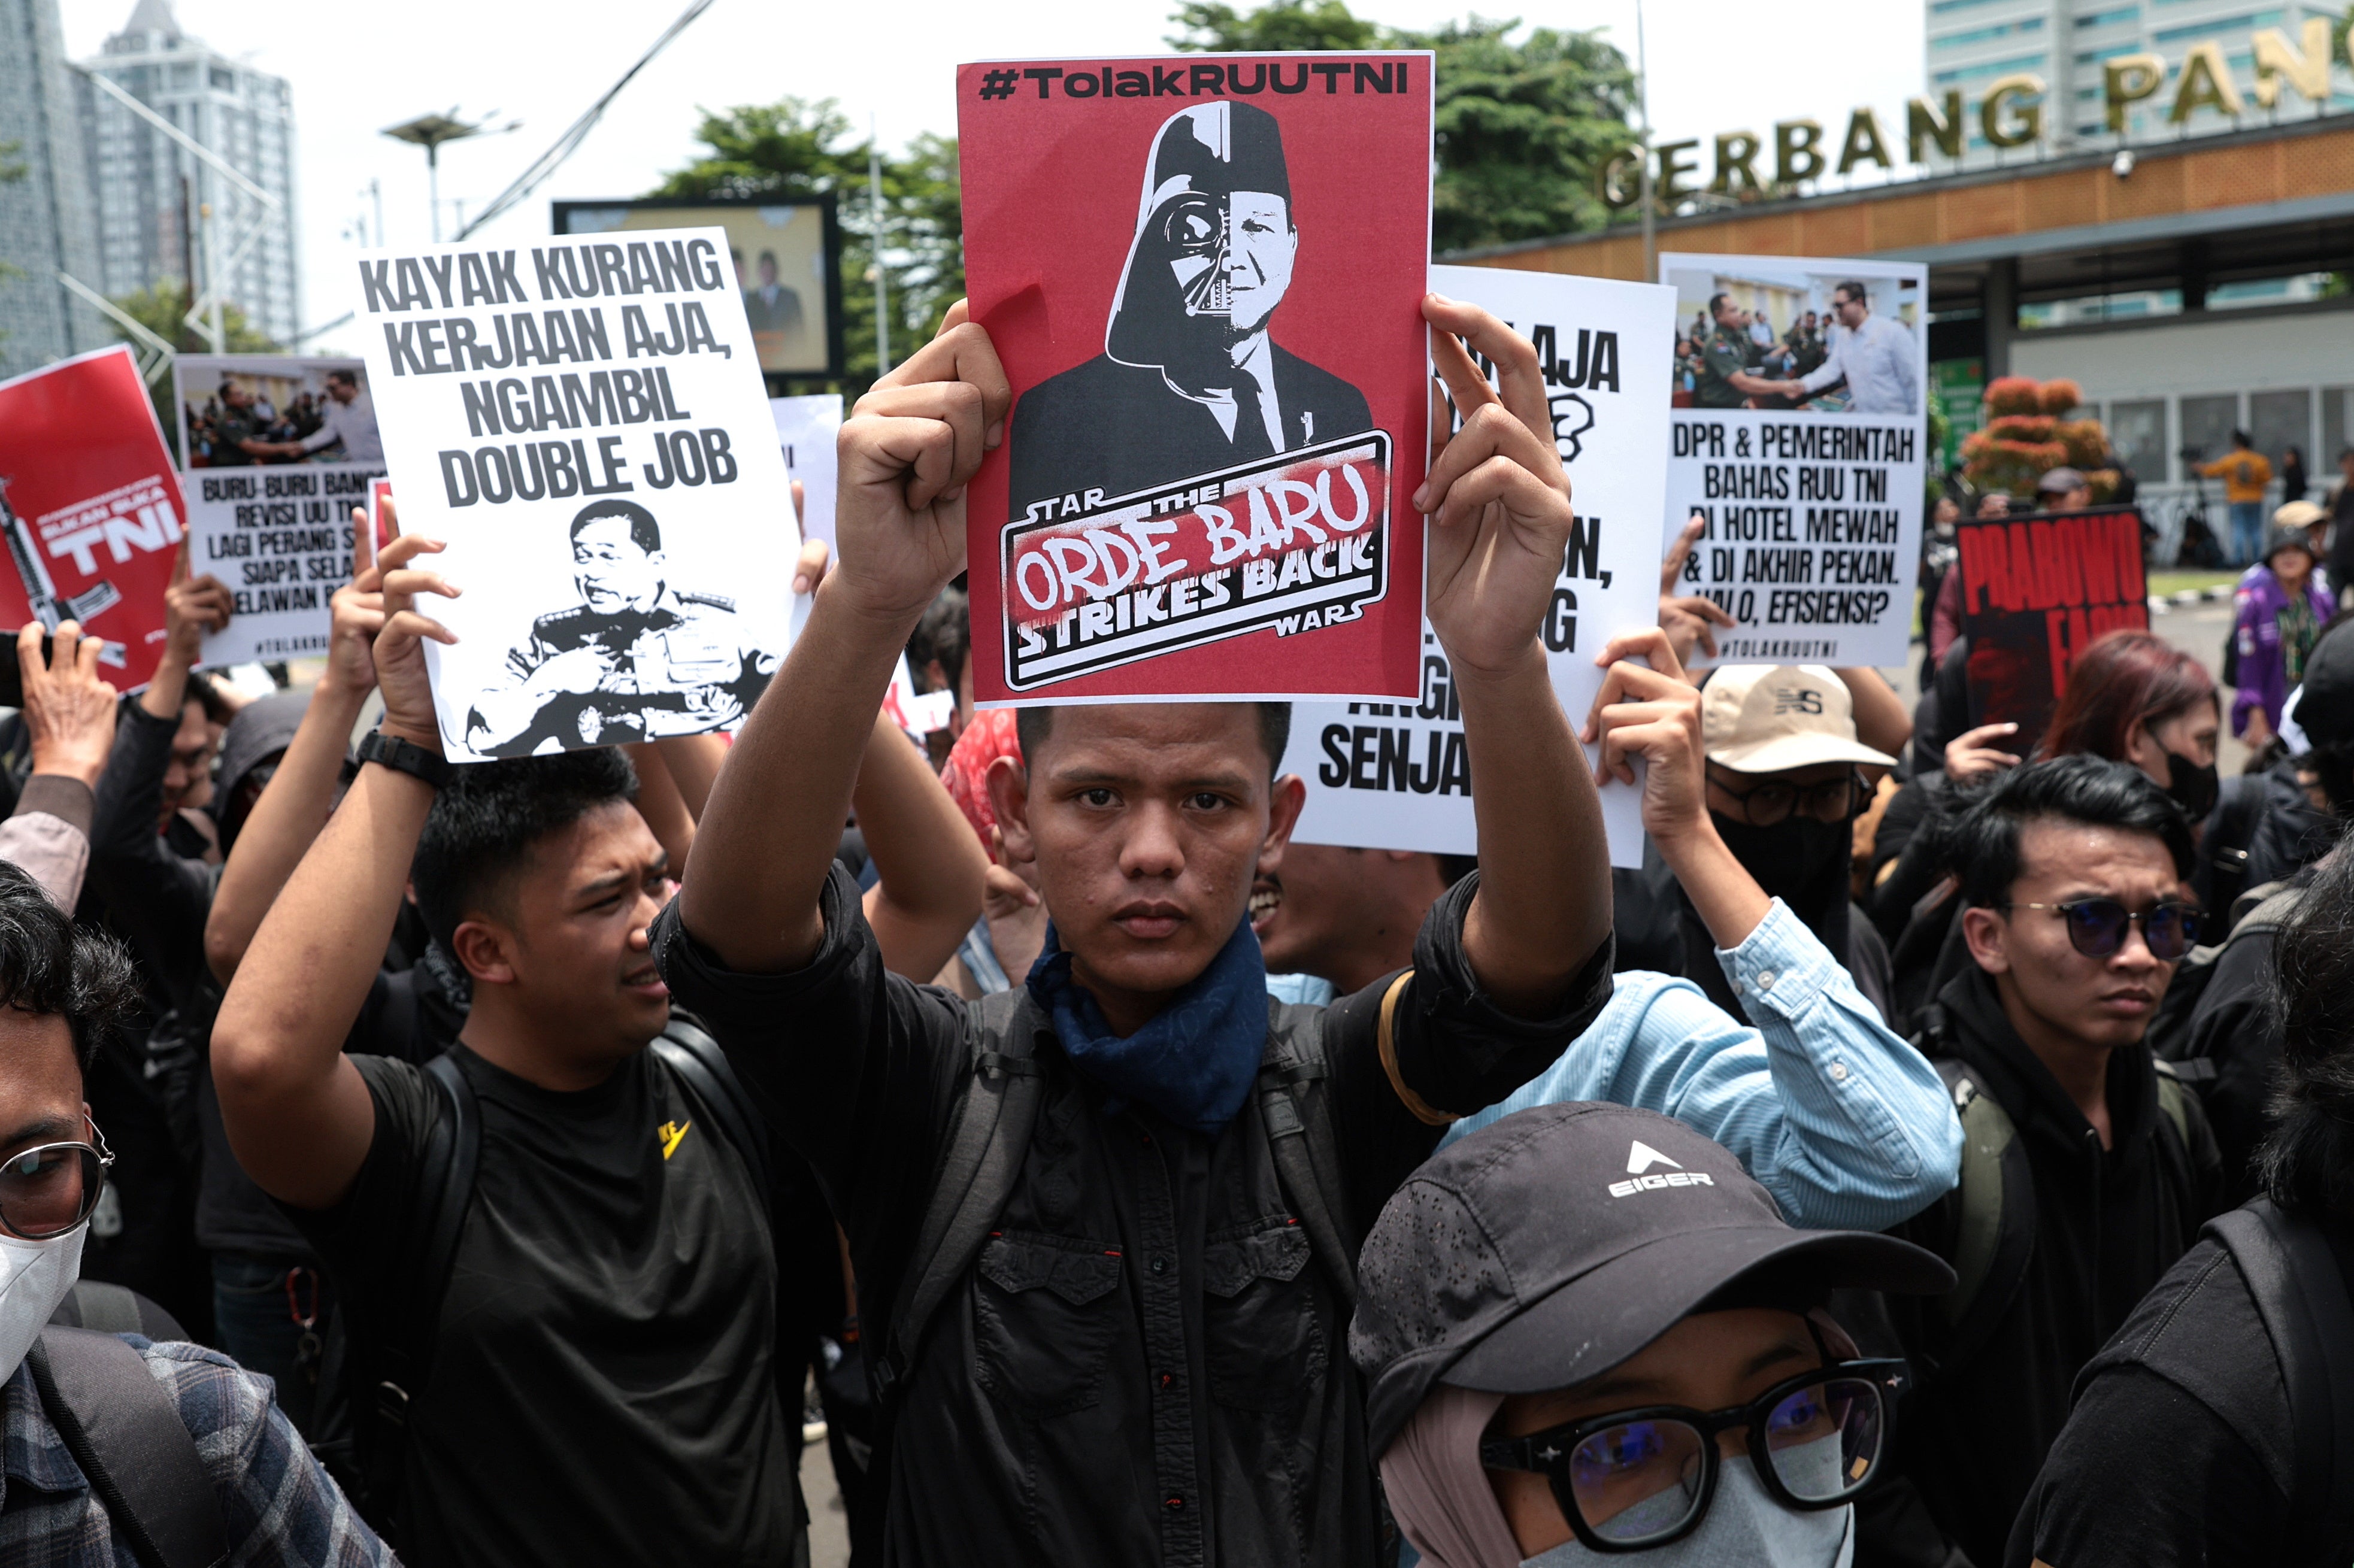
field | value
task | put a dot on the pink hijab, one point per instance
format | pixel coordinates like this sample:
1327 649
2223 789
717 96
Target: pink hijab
1437 1489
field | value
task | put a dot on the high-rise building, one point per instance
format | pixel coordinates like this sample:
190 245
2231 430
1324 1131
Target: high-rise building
45 210
2067 43
151 193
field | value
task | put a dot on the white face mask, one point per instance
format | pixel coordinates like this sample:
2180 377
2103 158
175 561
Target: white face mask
1744 1528
34 1276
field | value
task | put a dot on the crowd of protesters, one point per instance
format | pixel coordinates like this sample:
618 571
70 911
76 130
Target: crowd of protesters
498 1158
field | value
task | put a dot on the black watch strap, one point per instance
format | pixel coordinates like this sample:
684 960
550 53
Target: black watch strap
405 757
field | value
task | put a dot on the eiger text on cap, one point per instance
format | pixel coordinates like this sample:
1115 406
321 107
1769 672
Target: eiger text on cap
1546 1249
1763 718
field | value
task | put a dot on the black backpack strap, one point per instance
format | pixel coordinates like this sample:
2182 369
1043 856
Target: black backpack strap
982 1158
1295 1102
125 1433
1994 1206
2295 1276
696 1059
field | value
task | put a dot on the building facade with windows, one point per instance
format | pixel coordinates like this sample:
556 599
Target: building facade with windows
2068 43
153 196
45 225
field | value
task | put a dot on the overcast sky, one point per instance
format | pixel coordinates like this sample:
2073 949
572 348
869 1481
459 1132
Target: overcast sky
1716 65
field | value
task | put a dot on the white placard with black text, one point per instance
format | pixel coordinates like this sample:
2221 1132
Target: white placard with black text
583 421
1397 776
1809 466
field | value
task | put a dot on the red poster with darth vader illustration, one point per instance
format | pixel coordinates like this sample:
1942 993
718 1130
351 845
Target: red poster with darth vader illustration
1203 274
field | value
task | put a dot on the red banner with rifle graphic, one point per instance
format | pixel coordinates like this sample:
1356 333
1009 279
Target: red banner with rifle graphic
91 508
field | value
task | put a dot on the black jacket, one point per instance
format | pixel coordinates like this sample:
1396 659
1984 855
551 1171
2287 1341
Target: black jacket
1144 1366
1120 428
2108 1224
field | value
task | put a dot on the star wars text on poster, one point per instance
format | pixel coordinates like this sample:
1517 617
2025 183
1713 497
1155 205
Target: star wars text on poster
1189 297
583 422
1293 544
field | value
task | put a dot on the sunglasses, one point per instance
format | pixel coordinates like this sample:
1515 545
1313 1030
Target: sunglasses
48 1190
2096 927
1641 1479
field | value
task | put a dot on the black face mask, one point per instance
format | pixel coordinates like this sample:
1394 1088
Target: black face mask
2193 786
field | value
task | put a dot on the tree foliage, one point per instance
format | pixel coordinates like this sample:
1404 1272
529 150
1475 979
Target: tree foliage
1523 127
162 308
795 147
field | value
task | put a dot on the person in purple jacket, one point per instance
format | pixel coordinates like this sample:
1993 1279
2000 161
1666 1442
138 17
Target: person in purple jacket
2281 613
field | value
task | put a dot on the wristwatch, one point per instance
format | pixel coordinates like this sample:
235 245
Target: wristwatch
405 757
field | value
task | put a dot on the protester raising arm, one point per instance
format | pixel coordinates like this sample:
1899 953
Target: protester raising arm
1499 507
70 714
162 752
1881 721
765 845
1840 1120
929 869
295 805
298 1115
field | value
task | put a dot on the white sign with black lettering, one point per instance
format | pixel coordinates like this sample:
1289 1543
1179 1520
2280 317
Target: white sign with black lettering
1800 435
583 421
275 452
1397 775
806 429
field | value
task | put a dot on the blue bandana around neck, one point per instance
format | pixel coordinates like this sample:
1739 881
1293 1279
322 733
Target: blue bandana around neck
1194 1062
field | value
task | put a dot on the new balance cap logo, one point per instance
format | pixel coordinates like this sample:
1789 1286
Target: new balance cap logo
1640 1158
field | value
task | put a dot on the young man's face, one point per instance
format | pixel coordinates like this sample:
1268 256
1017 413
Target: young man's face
610 571
1328 905
192 757
1710 1361
1148 822
767 270
1849 310
571 939
2092 1001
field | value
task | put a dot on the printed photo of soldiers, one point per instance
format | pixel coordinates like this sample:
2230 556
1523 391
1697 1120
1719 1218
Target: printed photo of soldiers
1189 380
636 659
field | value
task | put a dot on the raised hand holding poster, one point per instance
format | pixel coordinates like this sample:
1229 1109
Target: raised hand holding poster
583 422
1204 277
1800 435
91 508
1398 775
275 452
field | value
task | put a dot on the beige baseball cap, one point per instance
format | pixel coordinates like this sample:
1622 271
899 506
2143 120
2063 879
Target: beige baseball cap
2297 514
1764 718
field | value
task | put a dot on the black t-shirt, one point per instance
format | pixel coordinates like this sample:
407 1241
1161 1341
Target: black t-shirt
603 1384
2178 1452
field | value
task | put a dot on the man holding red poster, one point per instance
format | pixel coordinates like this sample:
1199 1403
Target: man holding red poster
91 508
1219 406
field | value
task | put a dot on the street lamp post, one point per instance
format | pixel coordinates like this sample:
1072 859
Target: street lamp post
428 132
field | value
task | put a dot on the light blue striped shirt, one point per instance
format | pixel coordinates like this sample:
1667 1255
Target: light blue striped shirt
1846 1125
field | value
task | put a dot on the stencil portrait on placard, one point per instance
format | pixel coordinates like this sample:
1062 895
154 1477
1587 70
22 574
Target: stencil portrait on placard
639 658
1190 379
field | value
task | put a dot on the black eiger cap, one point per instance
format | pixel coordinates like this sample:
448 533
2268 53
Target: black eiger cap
1546 1249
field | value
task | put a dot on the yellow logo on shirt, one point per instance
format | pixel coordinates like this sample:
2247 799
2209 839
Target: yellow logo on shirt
671 1133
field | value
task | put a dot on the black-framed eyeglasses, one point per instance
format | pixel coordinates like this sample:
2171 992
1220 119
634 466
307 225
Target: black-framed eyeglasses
1635 1479
50 1188
2096 927
1832 800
